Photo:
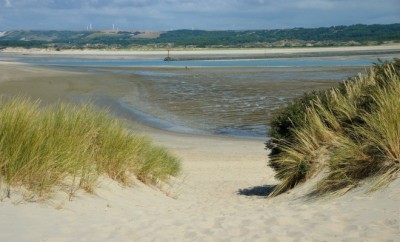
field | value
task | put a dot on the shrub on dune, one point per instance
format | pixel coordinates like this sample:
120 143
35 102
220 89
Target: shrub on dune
352 132
71 146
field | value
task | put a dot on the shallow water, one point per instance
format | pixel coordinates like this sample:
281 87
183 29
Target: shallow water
230 97
232 101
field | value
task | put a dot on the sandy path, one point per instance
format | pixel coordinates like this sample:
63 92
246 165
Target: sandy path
216 198
207 206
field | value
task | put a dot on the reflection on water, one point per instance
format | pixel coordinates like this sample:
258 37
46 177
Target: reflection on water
235 101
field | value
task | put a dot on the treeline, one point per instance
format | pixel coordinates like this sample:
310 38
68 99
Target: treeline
324 36
357 33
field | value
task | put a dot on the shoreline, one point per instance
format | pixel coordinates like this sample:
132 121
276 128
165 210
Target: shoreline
144 112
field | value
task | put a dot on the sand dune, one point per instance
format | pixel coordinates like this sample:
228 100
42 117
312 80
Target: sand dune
218 197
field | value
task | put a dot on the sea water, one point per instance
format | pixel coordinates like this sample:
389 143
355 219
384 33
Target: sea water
275 62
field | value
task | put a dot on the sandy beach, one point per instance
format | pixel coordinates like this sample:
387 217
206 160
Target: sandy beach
220 195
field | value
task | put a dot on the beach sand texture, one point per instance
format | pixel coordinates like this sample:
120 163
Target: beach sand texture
218 197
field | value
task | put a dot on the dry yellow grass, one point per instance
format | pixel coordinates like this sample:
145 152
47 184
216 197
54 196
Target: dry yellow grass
72 145
354 133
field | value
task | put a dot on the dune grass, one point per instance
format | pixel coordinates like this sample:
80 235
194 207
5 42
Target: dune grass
352 132
71 146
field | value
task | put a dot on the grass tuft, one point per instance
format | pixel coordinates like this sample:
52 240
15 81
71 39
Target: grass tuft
353 130
71 146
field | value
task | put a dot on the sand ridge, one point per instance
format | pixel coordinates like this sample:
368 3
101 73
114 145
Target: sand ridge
197 53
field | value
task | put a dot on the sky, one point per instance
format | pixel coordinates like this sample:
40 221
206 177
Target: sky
193 14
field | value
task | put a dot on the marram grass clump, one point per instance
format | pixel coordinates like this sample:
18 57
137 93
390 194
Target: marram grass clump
351 132
70 147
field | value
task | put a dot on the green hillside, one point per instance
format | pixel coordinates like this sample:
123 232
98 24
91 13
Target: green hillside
297 37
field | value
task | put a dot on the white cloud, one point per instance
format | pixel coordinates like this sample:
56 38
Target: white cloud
314 4
7 3
199 14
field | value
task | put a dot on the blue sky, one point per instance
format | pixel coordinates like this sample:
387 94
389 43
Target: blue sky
193 14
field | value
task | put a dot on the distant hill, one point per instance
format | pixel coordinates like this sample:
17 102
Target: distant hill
296 37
